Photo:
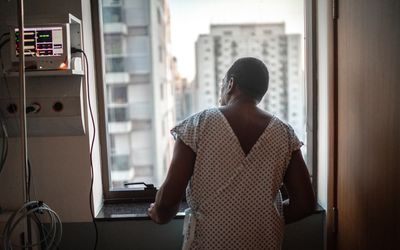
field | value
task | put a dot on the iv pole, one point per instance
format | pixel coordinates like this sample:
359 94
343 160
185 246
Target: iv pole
22 105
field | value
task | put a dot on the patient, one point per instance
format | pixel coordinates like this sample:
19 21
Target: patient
231 161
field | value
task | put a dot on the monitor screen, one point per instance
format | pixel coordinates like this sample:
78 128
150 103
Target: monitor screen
41 41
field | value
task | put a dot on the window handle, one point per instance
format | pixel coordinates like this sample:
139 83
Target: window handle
147 186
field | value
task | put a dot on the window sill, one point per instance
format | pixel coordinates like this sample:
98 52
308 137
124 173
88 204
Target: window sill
138 211
131 211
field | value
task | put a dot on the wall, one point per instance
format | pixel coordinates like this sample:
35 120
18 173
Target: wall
60 165
146 235
323 76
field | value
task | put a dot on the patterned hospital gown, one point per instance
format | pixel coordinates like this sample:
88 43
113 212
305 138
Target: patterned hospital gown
233 196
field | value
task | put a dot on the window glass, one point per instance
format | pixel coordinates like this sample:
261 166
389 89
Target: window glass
112 14
119 94
153 46
119 114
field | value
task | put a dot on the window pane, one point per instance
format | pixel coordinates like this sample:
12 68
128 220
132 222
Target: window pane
163 65
118 114
119 94
112 14
113 45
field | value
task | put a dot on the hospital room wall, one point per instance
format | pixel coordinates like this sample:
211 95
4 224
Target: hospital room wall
60 165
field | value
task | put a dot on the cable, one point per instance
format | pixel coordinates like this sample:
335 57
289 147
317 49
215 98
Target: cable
4 35
4 149
4 134
75 50
28 186
2 71
50 239
4 42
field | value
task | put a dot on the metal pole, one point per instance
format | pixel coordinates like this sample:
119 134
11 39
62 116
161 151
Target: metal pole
22 96
22 111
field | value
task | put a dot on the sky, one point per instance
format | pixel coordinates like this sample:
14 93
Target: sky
190 18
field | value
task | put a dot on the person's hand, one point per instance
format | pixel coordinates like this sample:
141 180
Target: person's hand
151 211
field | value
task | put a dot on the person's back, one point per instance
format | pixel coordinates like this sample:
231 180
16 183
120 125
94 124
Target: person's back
233 161
248 122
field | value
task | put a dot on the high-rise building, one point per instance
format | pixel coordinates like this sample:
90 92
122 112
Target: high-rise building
216 51
182 93
139 96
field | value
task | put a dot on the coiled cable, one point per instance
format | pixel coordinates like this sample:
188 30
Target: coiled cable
34 209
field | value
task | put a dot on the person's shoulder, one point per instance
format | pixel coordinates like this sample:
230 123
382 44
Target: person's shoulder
282 124
200 115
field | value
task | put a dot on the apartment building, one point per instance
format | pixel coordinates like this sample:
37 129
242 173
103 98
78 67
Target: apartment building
182 93
281 52
139 88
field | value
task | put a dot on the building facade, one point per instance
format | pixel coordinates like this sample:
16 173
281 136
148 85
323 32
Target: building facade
139 88
182 93
216 51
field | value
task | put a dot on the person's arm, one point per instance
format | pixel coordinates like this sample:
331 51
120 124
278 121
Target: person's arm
171 192
298 185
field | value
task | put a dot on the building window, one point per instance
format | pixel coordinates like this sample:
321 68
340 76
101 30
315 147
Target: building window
162 89
227 33
113 45
160 53
267 32
159 17
120 162
115 64
118 94
139 72
112 15
119 114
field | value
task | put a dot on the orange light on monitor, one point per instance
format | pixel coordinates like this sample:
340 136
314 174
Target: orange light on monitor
63 65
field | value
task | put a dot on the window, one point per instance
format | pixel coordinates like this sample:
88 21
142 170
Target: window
139 70
138 31
159 18
119 94
118 114
267 32
120 162
112 15
160 53
115 64
113 45
161 91
227 33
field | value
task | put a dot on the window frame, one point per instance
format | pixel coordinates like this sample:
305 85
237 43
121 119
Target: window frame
310 81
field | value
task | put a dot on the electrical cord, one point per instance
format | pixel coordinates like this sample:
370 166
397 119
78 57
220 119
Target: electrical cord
4 42
3 69
4 134
51 237
4 149
4 35
75 50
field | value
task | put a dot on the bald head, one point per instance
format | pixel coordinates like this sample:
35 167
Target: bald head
251 76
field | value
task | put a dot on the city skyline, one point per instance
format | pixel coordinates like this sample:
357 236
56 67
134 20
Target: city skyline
269 42
147 91
200 15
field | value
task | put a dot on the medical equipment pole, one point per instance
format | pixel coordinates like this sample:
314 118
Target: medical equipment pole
22 112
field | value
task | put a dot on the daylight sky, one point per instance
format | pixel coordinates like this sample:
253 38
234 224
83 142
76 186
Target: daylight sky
189 18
